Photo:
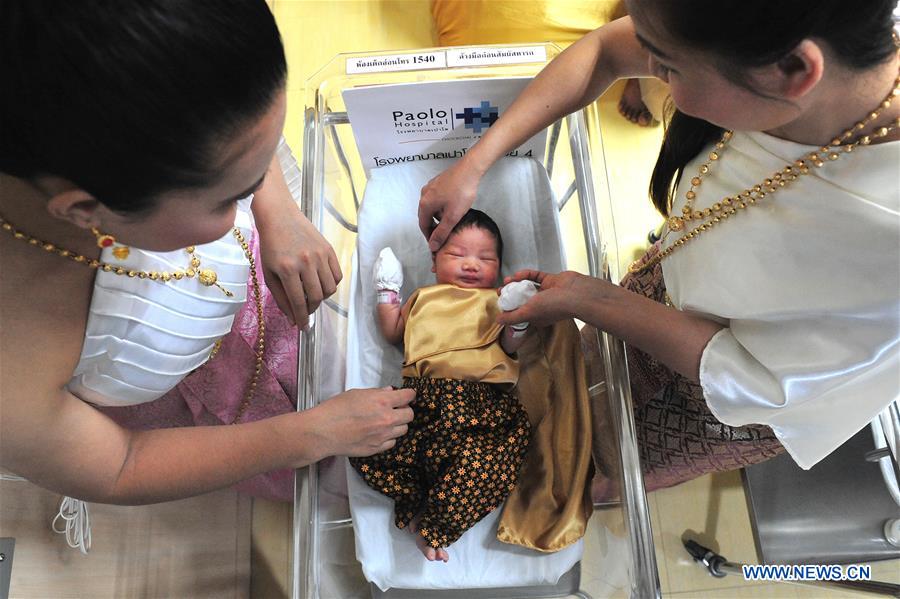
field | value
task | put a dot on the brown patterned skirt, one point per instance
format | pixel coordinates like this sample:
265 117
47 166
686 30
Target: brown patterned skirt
457 463
678 437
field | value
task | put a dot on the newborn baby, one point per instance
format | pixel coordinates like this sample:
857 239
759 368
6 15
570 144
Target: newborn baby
461 456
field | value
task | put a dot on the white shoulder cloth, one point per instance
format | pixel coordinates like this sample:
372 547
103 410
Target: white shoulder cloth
143 337
808 286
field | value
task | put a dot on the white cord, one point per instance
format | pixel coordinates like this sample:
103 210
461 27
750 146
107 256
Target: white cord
75 514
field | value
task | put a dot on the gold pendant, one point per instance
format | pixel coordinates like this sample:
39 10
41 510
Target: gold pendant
207 276
675 223
121 252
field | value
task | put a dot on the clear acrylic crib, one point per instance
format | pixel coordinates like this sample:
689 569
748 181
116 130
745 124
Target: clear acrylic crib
333 180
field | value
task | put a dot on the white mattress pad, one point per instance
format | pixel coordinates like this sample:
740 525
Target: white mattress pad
516 193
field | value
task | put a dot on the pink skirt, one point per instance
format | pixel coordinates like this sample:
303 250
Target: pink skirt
678 437
212 394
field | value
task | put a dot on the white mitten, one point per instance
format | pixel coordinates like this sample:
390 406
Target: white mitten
515 295
387 277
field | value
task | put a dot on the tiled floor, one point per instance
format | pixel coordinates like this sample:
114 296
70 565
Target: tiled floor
270 551
713 511
197 547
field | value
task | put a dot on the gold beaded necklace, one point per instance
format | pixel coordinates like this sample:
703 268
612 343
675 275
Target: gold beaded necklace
206 277
728 206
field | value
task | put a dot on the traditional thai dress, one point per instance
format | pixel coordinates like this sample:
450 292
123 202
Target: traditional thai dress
461 457
806 285
159 355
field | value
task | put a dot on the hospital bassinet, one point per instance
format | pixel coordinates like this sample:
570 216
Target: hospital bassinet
334 181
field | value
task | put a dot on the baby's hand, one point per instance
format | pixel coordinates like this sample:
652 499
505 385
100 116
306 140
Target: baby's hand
387 277
515 295
561 296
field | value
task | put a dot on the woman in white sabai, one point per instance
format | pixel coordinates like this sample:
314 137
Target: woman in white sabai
144 300
766 319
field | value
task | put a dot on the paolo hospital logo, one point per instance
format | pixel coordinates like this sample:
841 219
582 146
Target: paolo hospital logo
479 118
437 120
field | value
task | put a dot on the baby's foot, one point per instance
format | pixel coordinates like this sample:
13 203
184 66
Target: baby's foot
431 553
632 106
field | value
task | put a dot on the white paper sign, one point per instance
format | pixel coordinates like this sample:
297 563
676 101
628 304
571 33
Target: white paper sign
432 119
476 57
396 62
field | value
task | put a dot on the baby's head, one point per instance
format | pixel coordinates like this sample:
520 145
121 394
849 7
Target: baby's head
472 253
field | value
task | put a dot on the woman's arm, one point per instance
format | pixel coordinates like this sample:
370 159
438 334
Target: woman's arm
65 445
571 81
300 266
675 338
59 442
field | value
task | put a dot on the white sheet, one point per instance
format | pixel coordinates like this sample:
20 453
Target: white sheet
516 193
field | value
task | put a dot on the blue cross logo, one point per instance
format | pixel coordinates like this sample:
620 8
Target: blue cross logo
480 118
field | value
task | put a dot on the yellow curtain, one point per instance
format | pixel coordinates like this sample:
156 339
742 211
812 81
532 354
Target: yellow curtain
468 22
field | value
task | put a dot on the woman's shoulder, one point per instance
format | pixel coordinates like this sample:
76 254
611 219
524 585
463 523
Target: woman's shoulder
867 172
771 144
44 302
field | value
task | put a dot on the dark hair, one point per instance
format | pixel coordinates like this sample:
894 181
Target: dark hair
861 36
131 98
480 220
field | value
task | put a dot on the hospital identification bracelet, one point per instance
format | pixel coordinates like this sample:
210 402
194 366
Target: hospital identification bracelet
386 296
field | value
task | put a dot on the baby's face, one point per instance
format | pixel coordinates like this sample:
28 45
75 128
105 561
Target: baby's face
468 259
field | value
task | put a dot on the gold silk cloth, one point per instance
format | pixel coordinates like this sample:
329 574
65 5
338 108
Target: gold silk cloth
452 333
549 508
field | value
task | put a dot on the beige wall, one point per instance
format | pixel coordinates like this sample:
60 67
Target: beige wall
315 31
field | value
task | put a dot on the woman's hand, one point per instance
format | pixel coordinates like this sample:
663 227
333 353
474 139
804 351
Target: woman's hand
447 197
299 265
558 298
361 422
